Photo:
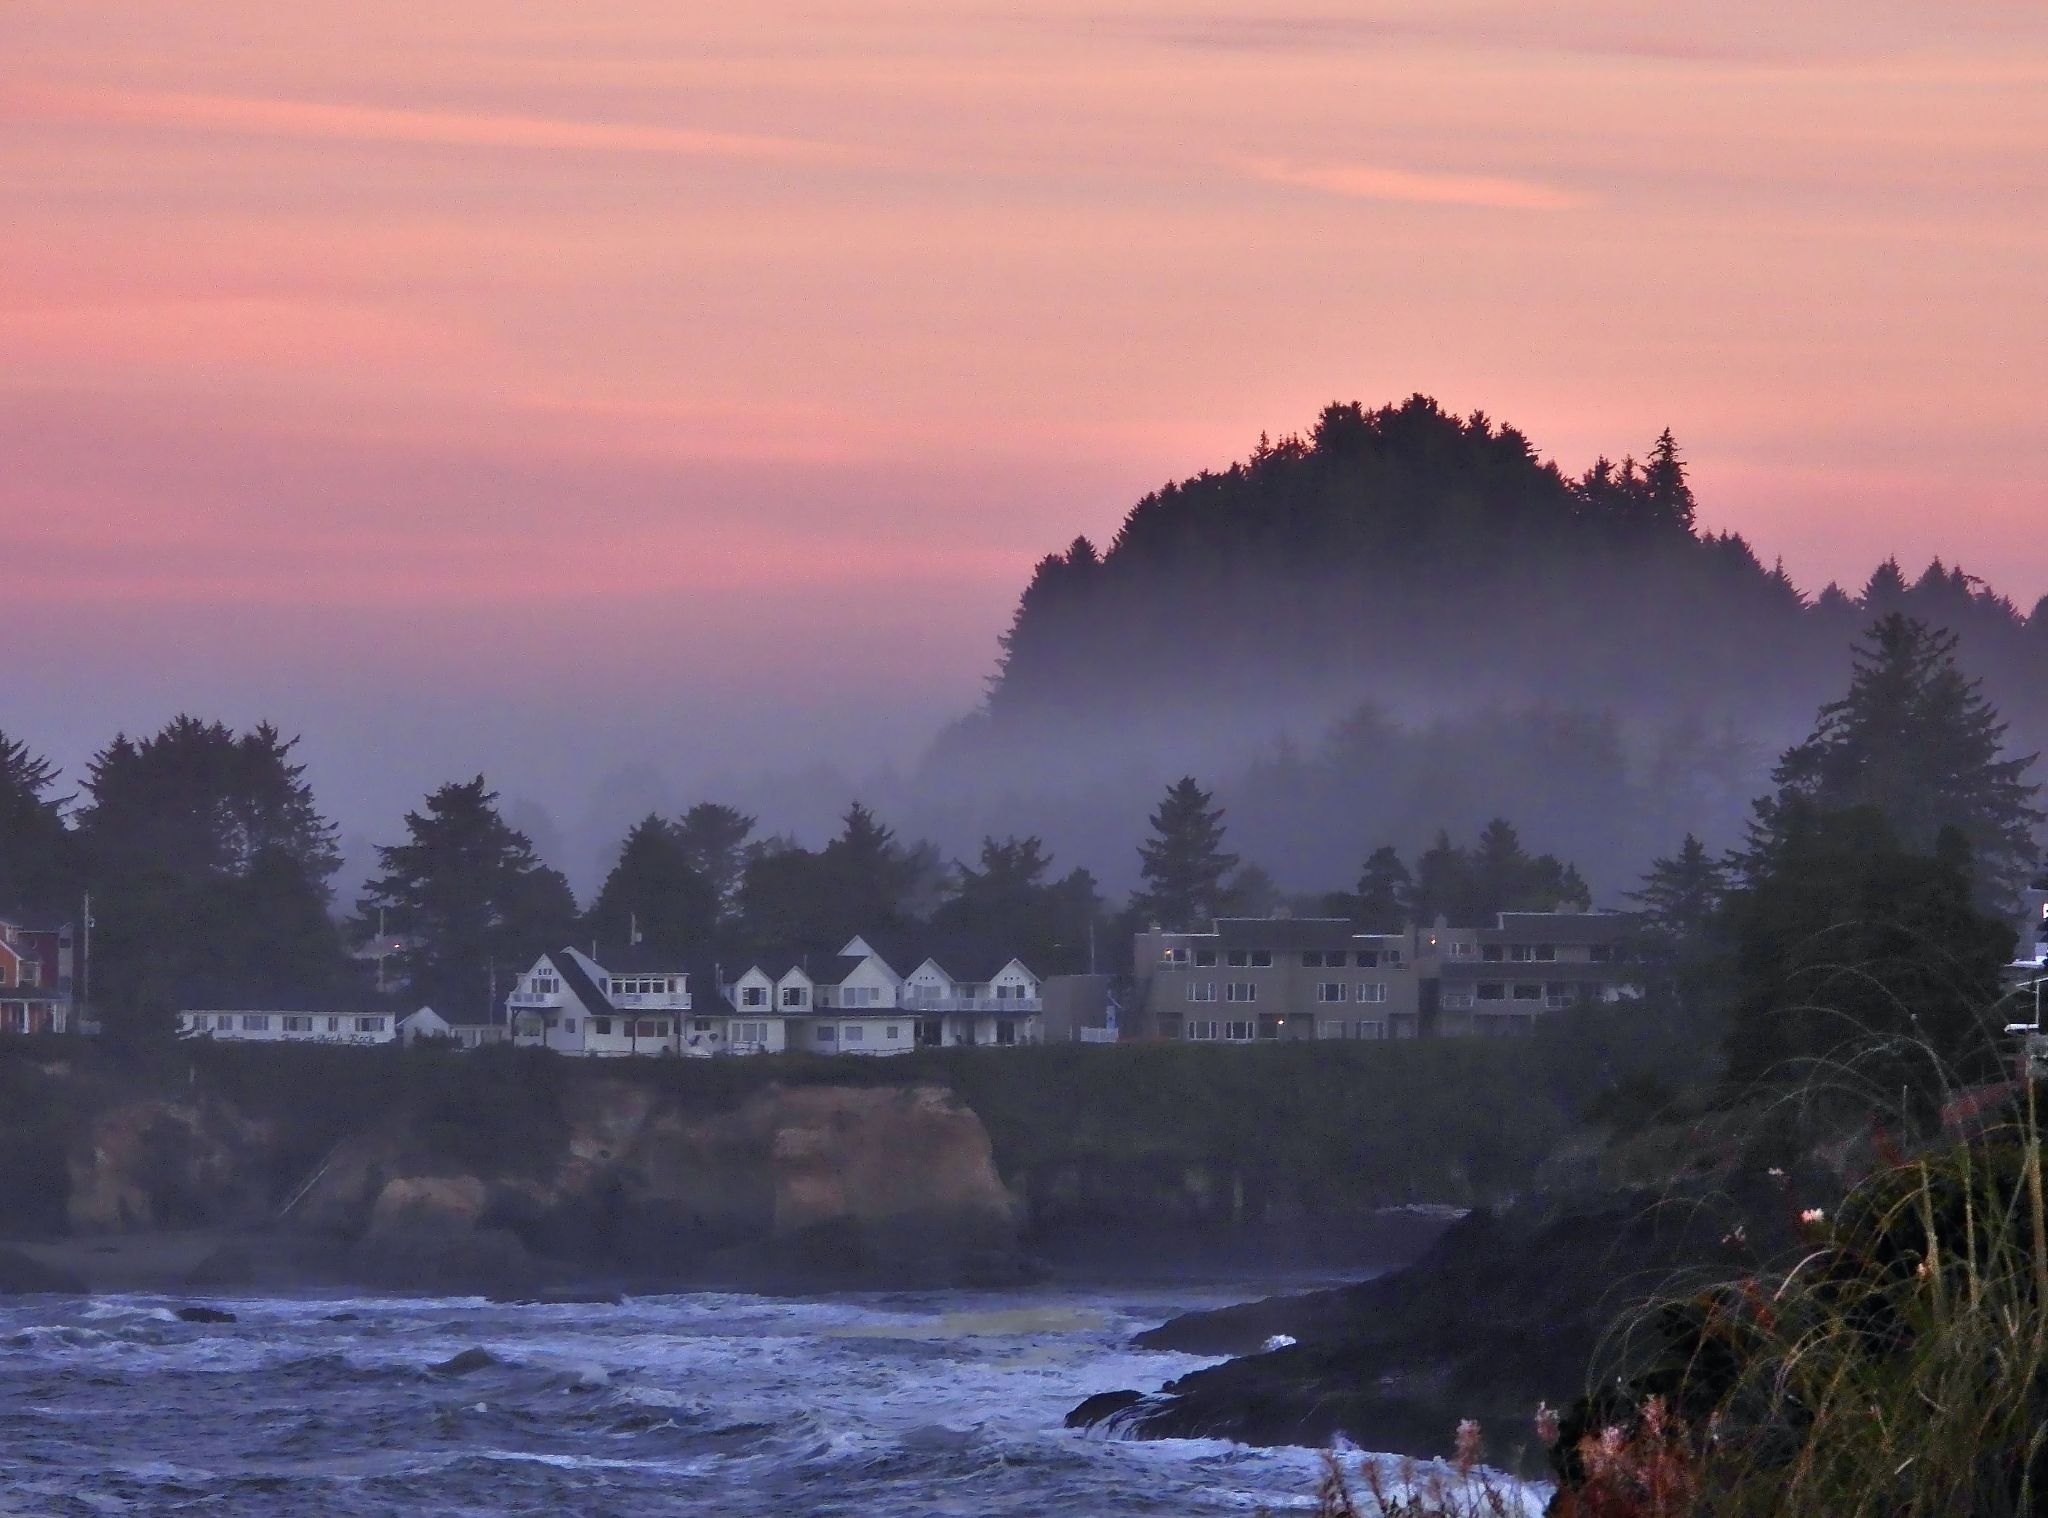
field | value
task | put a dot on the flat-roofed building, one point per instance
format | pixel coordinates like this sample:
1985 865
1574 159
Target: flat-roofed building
1248 979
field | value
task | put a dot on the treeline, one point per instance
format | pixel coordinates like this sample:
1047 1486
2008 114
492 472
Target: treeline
1399 541
212 876
211 872
1407 620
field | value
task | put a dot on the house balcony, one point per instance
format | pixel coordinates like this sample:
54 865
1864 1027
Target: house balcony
985 1006
535 1001
652 1001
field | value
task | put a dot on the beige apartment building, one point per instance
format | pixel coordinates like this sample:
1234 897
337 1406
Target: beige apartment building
1246 979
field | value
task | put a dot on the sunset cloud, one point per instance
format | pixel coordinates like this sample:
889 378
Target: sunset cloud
1356 181
257 116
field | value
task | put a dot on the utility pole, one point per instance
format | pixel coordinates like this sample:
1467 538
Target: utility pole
85 964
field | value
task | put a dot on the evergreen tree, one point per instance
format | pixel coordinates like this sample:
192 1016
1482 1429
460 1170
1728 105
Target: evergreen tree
1384 890
713 839
1007 906
199 800
1184 862
1849 945
1915 739
1443 884
1251 892
789 901
1680 897
474 898
202 847
35 847
873 873
1667 498
655 894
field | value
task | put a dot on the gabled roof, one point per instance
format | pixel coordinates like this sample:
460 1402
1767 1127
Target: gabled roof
835 970
576 968
707 996
640 959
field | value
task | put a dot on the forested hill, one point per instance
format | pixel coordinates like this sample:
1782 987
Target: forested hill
1407 619
1405 543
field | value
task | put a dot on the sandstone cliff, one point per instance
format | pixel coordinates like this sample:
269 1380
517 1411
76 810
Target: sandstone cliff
815 1185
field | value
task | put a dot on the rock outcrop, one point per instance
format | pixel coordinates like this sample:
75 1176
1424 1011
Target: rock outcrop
1504 1311
795 1187
155 1163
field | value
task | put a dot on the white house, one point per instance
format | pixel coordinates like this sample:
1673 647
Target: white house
289 1027
855 1002
634 1002
425 1023
857 1006
1001 1006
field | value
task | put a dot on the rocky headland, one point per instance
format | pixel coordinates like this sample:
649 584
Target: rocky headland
1509 1307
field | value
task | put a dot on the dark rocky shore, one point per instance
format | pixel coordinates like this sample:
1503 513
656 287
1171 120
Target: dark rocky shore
1506 1310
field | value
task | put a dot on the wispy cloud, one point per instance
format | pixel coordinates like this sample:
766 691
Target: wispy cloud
258 116
1356 181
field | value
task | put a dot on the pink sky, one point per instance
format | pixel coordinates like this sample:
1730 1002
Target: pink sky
740 360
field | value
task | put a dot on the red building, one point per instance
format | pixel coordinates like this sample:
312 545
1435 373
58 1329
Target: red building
35 978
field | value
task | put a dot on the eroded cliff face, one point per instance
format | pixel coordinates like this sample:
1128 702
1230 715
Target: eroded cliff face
158 1163
814 1185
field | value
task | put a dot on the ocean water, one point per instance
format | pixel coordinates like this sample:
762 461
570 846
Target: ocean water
882 1406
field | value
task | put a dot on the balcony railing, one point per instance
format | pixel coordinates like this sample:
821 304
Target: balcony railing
1010 1006
534 999
673 1001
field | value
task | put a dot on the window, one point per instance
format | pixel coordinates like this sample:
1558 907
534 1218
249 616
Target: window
1262 959
792 996
1558 997
1490 953
1373 991
1201 990
1173 956
1200 1031
1241 990
1330 990
1205 959
1238 957
855 1034
753 1033
702 1024
297 1024
1333 1030
1546 951
1457 1001
1492 990
652 1030
1312 959
369 1025
1528 991
333 1025
568 1025
754 996
893 1033
1459 949
1239 1033
1005 992
1372 1030
1369 959
257 1022
601 1027
827 1034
